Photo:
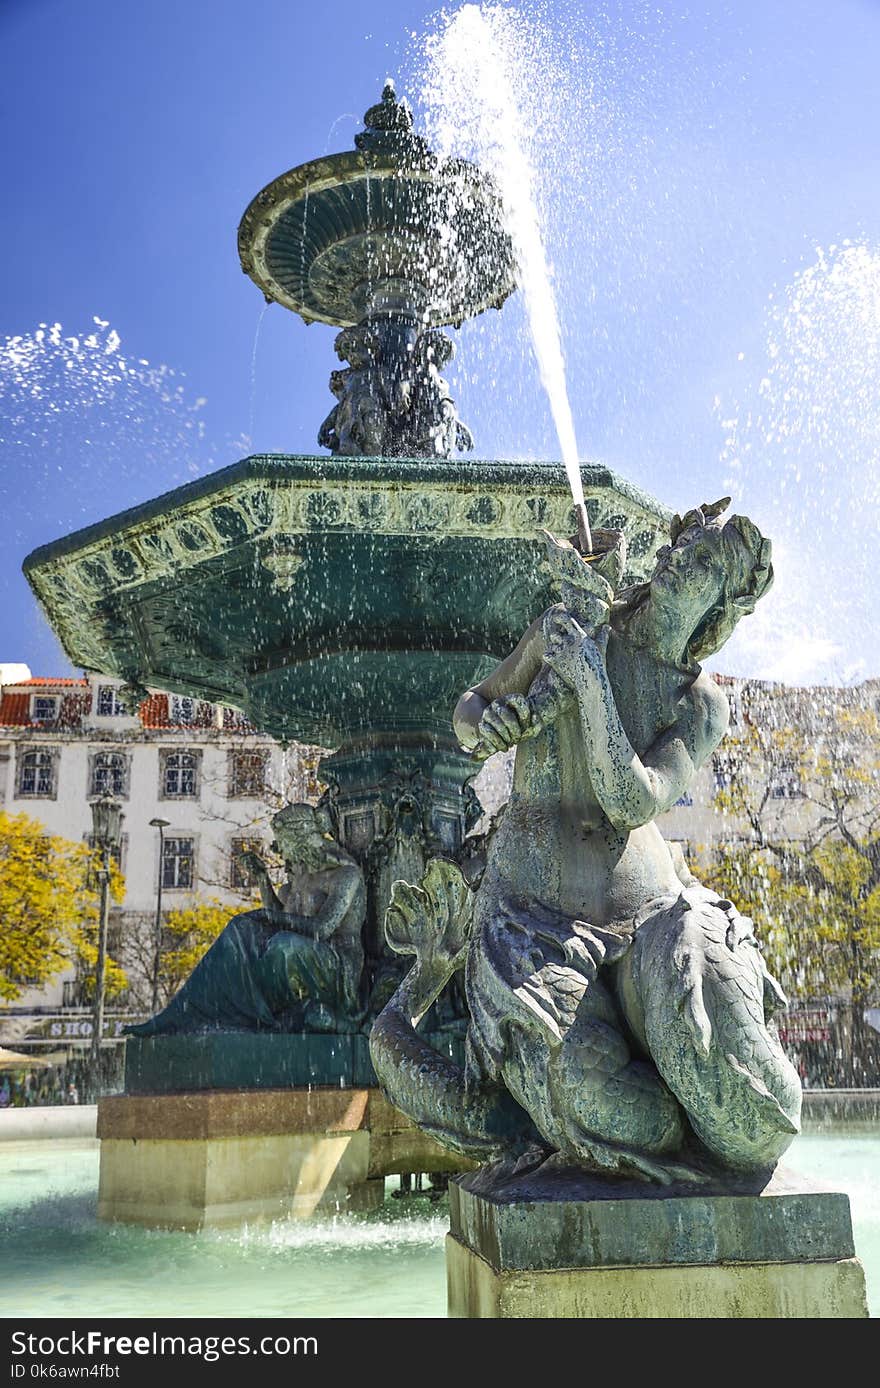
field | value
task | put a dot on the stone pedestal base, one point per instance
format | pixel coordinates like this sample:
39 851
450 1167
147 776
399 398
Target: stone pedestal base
567 1245
187 1161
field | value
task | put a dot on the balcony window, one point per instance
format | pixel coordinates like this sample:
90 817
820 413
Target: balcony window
786 782
108 702
109 774
117 855
247 773
240 876
182 710
235 722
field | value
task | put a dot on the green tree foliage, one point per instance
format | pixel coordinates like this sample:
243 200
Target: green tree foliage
49 908
813 889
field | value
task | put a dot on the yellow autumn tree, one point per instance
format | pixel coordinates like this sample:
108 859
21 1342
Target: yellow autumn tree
815 897
187 934
48 908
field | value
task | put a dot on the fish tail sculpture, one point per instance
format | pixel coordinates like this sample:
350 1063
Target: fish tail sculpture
707 1002
432 921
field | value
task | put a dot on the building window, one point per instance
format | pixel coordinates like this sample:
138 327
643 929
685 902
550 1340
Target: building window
239 875
234 721
183 710
190 713
117 854
44 709
313 783
247 773
109 774
36 774
786 782
180 775
178 857
723 772
108 702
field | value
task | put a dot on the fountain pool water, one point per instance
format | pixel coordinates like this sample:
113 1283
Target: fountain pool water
59 1260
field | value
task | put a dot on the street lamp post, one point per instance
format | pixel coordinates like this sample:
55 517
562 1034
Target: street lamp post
106 830
161 825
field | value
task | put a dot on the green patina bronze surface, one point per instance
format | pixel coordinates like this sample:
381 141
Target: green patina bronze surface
625 1009
387 241
386 227
324 597
255 1060
574 1219
337 602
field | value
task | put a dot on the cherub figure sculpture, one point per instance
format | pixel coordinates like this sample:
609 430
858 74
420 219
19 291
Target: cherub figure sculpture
439 431
392 400
296 963
620 1013
356 425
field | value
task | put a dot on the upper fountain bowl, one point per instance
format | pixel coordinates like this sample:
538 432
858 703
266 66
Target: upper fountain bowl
387 228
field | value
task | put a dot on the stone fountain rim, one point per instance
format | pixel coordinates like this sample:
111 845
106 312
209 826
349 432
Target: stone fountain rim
264 211
279 468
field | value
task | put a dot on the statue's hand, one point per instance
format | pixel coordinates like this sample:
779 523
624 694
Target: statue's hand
571 651
503 723
327 433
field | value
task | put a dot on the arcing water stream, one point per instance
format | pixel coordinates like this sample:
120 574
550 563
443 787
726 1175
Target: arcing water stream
471 88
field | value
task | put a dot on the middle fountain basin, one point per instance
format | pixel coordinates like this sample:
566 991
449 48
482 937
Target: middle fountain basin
326 598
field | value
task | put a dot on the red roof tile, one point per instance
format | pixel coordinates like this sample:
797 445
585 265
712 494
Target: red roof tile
154 711
44 681
15 710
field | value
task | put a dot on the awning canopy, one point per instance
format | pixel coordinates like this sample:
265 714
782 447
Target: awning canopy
14 1060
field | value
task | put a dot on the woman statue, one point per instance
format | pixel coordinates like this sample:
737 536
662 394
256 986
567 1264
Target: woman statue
295 964
617 1008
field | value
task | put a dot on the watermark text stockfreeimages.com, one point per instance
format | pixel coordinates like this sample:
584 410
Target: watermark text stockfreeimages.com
96 1344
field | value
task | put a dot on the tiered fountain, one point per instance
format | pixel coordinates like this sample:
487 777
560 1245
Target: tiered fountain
624 1092
344 601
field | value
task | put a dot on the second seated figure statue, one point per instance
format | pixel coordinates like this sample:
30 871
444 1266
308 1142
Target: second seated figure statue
294 964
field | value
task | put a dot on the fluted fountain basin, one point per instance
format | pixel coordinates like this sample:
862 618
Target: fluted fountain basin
326 598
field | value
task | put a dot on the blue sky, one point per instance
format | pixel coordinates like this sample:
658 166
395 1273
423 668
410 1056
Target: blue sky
733 140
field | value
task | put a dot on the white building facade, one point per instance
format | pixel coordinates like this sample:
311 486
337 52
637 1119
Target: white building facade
202 769
215 783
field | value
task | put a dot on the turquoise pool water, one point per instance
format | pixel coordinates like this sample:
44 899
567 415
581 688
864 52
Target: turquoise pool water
58 1260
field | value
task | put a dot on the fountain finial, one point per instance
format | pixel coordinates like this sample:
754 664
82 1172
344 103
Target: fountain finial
388 242
389 127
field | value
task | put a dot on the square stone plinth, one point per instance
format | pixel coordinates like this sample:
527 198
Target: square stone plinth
187 1161
565 1244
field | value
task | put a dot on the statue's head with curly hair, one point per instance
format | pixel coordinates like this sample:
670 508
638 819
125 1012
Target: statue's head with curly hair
302 835
704 581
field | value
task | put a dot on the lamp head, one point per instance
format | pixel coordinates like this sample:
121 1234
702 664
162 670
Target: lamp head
107 821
